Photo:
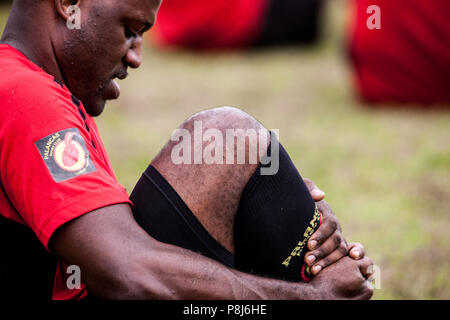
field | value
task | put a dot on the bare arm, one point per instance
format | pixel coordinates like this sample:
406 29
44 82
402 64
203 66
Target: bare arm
119 260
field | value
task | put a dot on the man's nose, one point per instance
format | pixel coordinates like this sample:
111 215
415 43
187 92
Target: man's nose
133 57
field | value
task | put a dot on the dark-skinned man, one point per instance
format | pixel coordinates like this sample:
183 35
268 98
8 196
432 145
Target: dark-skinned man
57 182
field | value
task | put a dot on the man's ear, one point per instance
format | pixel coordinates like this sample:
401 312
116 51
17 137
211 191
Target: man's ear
63 6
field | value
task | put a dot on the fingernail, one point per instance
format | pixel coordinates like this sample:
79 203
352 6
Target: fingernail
316 269
310 259
313 244
356 254
317 193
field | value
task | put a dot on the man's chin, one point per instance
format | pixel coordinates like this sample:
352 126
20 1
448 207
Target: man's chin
94 110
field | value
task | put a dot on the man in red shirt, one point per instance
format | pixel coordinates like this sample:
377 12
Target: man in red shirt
59 198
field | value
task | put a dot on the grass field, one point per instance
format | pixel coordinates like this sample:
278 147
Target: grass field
386 173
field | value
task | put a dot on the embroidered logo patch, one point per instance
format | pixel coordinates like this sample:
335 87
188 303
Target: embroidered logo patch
65 155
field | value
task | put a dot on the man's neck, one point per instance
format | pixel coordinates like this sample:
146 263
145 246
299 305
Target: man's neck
32 37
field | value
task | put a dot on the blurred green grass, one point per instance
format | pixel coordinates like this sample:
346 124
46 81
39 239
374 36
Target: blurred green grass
386 172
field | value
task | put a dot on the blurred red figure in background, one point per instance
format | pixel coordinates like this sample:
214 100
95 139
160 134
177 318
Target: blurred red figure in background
400 51
209 23
212 24
408 58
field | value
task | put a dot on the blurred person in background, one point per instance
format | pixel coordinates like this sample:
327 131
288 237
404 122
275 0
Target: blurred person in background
209 24
399 54
405 56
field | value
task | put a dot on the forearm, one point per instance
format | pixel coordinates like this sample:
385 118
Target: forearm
181 274
119 260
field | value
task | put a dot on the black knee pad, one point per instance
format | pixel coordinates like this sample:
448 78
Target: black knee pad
276 217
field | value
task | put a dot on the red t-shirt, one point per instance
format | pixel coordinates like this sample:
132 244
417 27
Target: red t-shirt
53 165
209 23
408 59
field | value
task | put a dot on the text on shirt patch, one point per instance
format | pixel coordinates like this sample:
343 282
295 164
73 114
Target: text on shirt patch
65 154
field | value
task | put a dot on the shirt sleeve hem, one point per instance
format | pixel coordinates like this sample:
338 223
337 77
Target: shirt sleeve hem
76 210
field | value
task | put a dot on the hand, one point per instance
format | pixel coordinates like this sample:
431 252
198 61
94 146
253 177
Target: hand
326 245
356 250
345 279
316 193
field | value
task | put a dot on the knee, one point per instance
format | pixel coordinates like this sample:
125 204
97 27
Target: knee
222 135
223 118
233 130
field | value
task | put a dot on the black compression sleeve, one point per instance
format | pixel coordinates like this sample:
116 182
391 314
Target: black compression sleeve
276 217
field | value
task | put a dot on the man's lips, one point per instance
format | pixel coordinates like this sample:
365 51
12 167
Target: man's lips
113 88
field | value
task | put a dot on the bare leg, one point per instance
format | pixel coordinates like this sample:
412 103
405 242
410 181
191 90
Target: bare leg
212 192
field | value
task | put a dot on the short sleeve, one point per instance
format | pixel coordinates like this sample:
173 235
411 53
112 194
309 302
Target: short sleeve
52 170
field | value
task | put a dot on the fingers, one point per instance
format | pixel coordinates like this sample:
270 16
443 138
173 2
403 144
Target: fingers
316 193
366 267
333 257
333 249
356 250
347 281
366 290
325 209
328 227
